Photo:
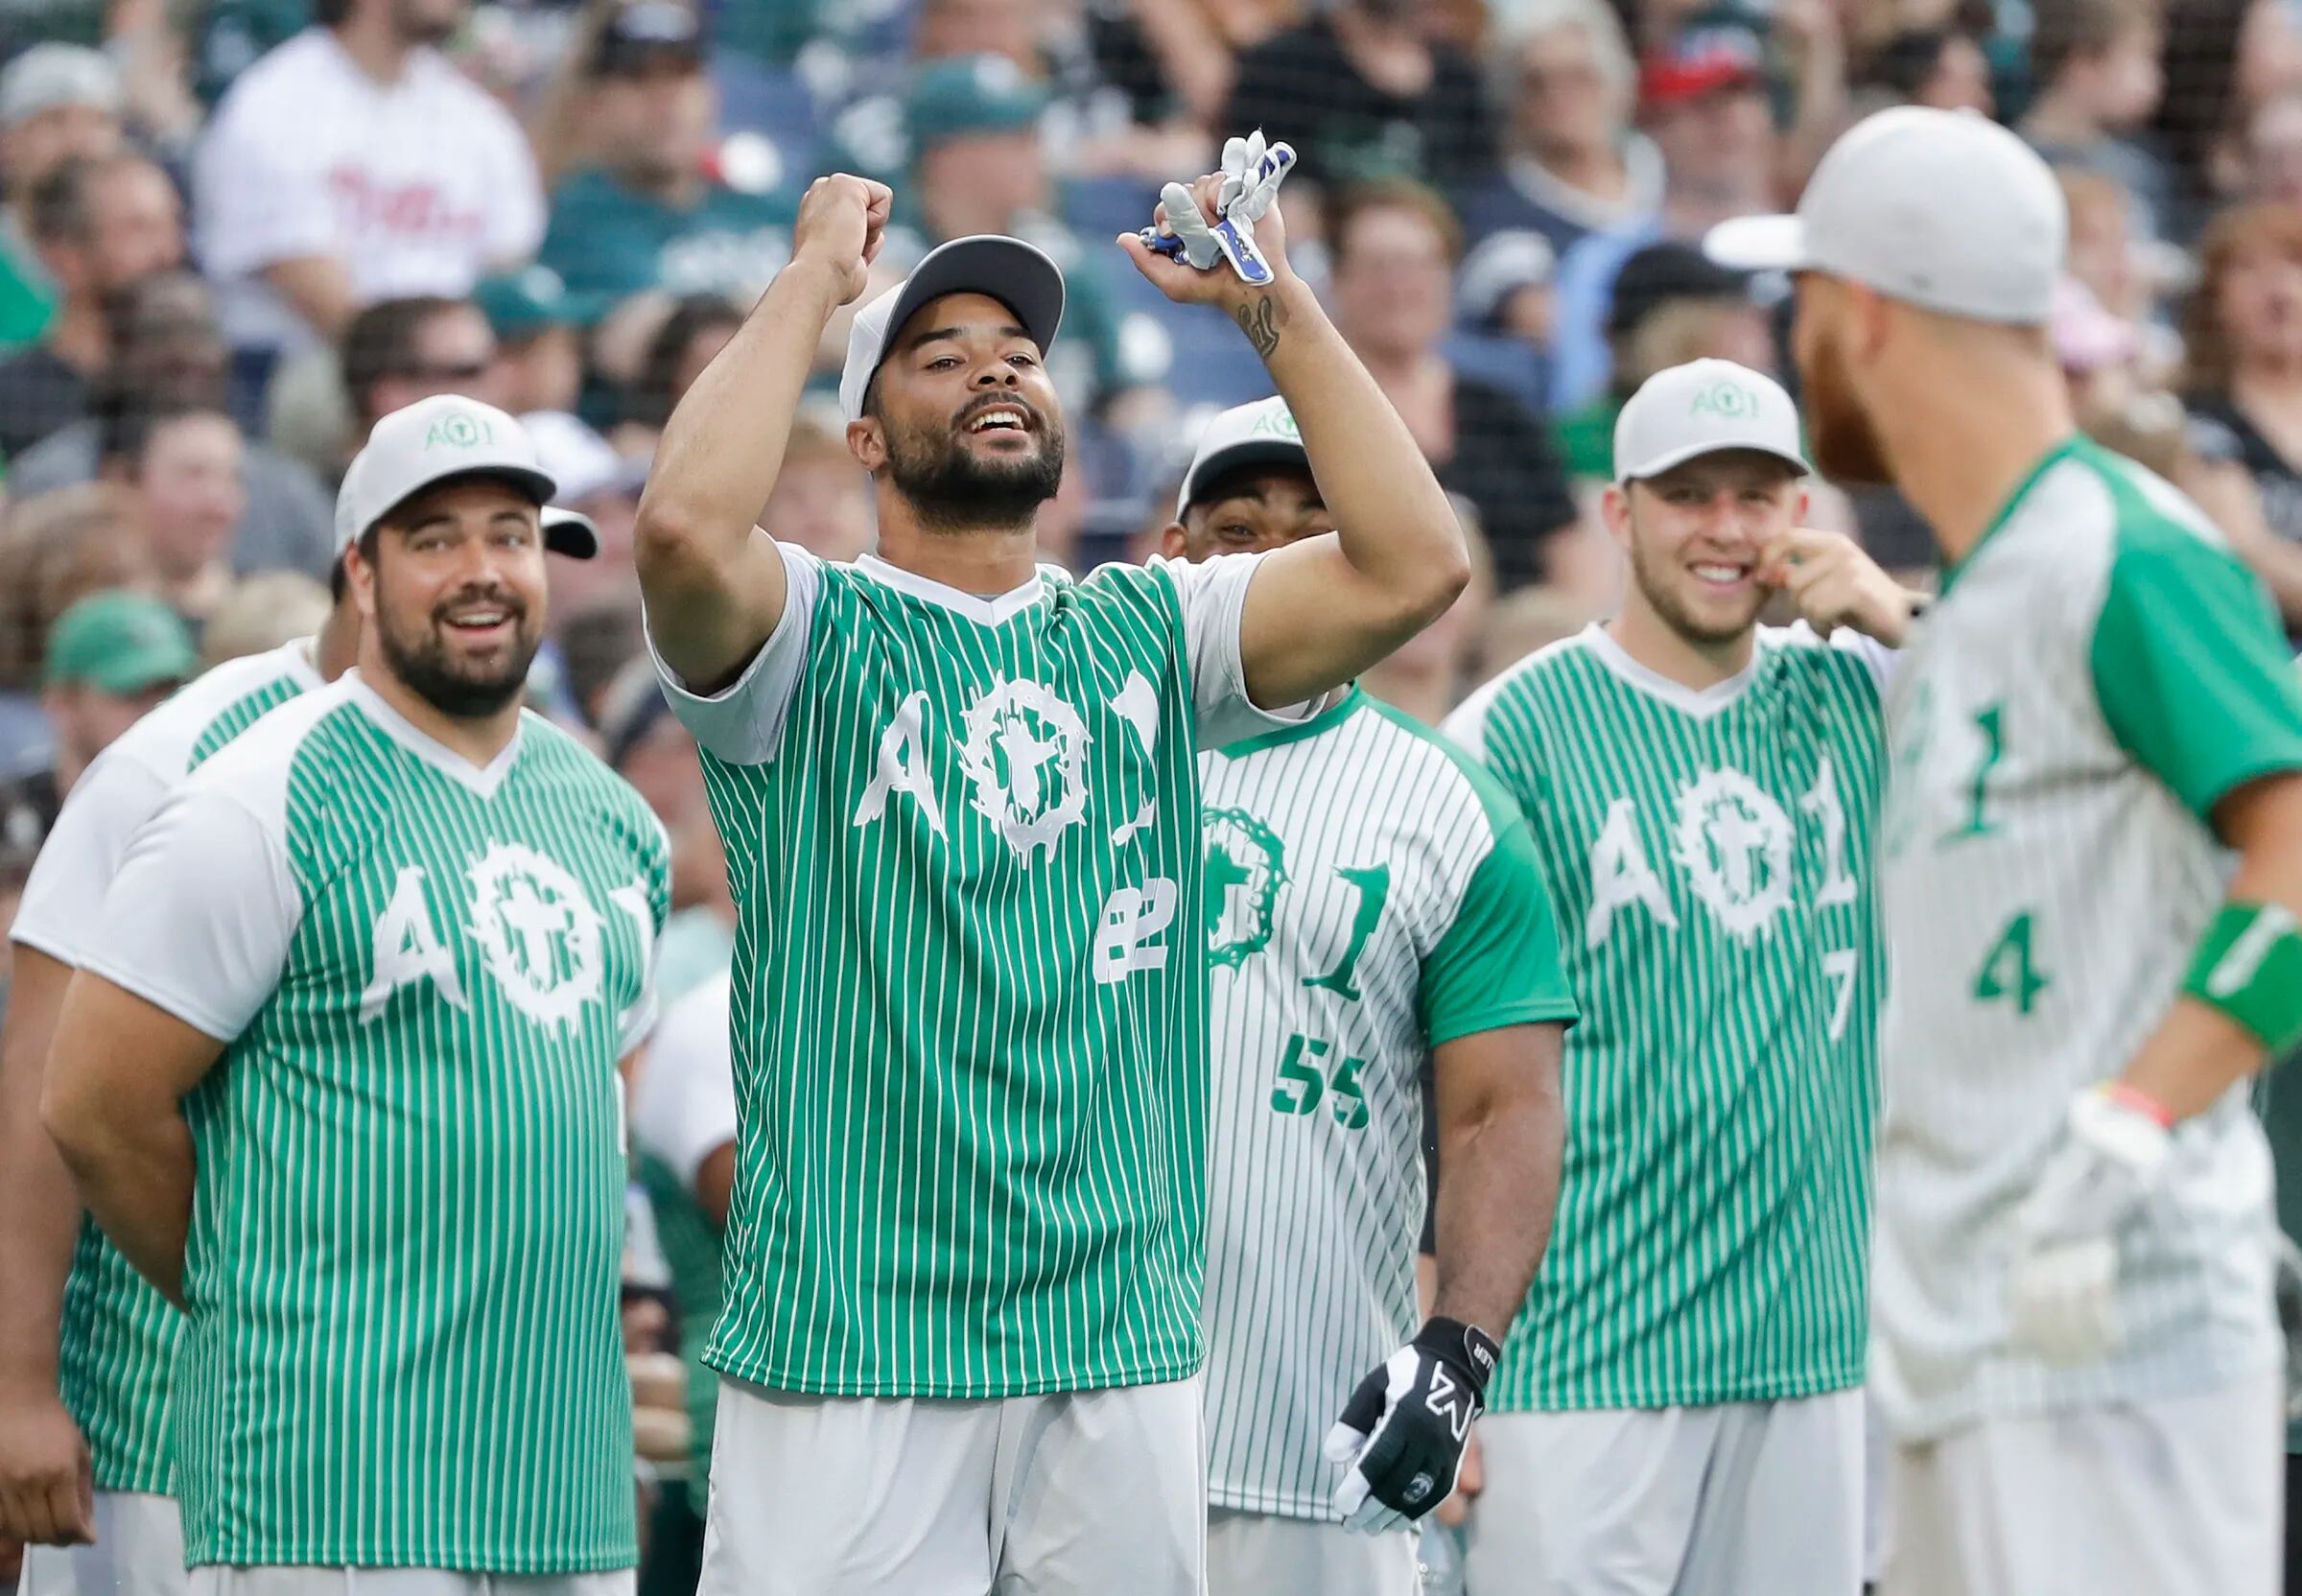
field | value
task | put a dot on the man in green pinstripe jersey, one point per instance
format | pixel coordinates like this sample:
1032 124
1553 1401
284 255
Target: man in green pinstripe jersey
959 795
84 1343
338 1076
1678 1409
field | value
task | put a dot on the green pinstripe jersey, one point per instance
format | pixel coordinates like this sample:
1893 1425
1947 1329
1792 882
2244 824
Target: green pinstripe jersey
118 1335
402 1346
969 1011
1708 855
1371 895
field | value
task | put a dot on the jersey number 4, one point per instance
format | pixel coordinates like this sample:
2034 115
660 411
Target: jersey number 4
2009 972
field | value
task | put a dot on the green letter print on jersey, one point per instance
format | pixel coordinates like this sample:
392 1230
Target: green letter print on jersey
1246 866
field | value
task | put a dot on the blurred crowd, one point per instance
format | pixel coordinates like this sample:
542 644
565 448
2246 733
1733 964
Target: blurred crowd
234 232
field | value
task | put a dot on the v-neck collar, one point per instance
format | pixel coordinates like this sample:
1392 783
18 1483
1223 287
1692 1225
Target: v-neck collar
481 780
990 612
1701 702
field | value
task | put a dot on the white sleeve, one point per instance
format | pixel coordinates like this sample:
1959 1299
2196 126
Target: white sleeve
684 1102
744 721
260 195
197 921
1214 593
64 899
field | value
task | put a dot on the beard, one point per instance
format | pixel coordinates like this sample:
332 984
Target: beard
1653 579
953 489
462 690
1846 443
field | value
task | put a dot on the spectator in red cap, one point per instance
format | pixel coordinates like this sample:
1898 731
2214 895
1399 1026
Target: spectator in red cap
1703 98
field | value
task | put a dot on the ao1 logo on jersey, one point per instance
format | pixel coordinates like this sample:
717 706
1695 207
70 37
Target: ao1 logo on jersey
1734 845
537 934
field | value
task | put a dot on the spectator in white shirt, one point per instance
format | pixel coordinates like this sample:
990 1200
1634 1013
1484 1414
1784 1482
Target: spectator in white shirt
354 164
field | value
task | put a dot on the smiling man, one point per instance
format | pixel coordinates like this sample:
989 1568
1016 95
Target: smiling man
1678 1407
961 810
1371 899
337 1075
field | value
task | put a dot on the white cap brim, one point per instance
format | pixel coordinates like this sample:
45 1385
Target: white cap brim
1759 244
1670 458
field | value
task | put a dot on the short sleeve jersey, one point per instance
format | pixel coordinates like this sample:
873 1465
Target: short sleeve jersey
402 1346
1709 864
1371 895
2098 674
969 1011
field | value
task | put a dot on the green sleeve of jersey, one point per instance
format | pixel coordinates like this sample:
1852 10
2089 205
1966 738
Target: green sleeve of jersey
1498 963
2190 670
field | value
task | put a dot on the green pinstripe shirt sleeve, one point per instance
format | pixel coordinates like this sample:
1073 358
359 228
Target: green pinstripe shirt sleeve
1498 962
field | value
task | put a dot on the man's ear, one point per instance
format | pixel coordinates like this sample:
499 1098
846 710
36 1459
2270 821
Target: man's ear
1614 509
1174 540
359 581
867 442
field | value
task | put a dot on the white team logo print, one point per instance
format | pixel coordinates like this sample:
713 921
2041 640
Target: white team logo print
1025 757
1734 843
538 933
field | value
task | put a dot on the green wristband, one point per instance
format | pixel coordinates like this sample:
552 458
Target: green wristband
2249 965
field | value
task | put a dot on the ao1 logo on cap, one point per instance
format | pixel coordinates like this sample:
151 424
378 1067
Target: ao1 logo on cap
1728 401
1280 421
461 429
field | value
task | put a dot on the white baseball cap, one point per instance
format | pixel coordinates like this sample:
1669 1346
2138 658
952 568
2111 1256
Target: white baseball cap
441 438
1703 408
1019 275
1944 209
1261 434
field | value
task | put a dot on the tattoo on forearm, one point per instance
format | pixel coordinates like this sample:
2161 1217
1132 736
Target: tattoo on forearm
1259 319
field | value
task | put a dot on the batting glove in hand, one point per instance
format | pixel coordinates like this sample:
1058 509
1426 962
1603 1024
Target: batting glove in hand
1401 1434
2061 1292
1251 172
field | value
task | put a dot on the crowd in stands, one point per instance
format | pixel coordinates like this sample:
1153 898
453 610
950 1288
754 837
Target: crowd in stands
235 232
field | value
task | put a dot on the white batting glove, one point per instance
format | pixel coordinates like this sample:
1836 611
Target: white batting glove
1251 173
2061 1292
1199 243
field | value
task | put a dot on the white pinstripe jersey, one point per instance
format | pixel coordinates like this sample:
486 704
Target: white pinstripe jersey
2099 673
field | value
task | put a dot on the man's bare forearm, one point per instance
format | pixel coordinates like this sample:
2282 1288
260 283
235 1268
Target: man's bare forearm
1498 1186
1391 516
724 446
2196 1052
135 1175
39 1211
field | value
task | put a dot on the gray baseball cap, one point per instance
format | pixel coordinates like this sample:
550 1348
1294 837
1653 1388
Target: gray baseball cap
1019 275
1946 210
441 440
1705 408
1261 433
